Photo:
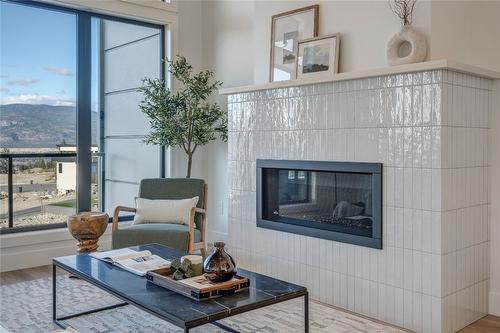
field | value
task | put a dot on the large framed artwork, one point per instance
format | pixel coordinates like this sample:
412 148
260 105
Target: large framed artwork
318 57
286 30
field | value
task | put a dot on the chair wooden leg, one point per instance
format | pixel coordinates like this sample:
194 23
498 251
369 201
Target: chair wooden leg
203 252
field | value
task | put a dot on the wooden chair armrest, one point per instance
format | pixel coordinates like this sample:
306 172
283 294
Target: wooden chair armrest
119 209
200 210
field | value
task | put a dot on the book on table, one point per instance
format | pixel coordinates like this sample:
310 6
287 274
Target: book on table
137 262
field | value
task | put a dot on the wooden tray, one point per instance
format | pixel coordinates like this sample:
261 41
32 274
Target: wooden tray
198 288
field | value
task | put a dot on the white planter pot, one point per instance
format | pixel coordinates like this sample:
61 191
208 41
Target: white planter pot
417 42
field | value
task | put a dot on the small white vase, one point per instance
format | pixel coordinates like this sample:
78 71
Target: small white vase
417 43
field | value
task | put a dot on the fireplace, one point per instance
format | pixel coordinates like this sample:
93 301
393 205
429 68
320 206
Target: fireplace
341 201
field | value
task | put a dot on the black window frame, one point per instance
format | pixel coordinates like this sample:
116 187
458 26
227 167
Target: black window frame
83 107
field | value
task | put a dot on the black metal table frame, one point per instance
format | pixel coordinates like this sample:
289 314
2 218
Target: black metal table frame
59 321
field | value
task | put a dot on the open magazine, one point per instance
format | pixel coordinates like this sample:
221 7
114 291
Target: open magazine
137 262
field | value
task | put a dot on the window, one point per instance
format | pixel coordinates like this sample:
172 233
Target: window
37 112
127 54
72 79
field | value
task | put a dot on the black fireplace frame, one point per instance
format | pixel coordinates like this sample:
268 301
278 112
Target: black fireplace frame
297 227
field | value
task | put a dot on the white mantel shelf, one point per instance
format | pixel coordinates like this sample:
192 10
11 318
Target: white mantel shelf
418 67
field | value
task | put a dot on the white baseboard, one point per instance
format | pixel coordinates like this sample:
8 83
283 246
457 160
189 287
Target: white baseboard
494 303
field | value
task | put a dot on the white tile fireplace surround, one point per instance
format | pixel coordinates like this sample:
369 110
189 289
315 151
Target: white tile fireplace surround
429 128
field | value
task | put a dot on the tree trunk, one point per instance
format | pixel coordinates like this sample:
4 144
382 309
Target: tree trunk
190 162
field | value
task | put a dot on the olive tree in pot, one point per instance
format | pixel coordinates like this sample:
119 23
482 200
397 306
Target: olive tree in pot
185 117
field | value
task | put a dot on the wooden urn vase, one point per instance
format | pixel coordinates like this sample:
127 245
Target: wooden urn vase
86 228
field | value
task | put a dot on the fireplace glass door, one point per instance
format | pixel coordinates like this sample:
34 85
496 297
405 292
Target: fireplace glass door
344 202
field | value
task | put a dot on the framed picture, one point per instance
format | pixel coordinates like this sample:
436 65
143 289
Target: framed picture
318 57
286 29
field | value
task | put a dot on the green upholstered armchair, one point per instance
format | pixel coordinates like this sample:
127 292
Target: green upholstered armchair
183 237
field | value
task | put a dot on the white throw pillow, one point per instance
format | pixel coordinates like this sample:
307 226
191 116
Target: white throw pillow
163 211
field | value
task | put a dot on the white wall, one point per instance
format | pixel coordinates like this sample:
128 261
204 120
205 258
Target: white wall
466 31
216 35
365 28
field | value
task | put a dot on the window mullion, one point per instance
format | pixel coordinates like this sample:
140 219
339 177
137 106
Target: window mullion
83 113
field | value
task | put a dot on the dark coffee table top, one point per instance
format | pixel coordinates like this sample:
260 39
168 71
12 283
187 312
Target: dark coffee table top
166 304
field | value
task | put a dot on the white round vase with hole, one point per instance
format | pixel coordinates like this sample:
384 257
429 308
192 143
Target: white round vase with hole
418 44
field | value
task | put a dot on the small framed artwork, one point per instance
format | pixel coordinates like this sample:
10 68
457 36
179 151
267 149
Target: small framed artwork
318 57
286 29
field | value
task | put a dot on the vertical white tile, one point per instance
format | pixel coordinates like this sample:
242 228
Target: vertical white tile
382 267
436 275
399 182
399 306
417 188
390 265
426 147
365 291
390 226
426 313
351 260
427 273
417 229
343 299
398 267
426 231
408 268
408 147
336 288
382 302
408 187
389 190
408 308
358 261
436 315
426 189
374 302
417 271
399 227
417 146
351 286
398 146
391 304
417 313
436 232
408 228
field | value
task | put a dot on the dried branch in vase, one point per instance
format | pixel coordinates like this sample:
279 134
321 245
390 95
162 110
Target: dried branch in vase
403 9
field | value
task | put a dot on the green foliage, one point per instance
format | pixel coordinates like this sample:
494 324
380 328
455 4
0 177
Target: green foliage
181 270
184 118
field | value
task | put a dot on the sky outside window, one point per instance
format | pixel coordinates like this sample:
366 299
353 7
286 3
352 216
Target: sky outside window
38 56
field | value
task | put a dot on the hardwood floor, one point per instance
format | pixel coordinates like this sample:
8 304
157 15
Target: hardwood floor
27 274
488 324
